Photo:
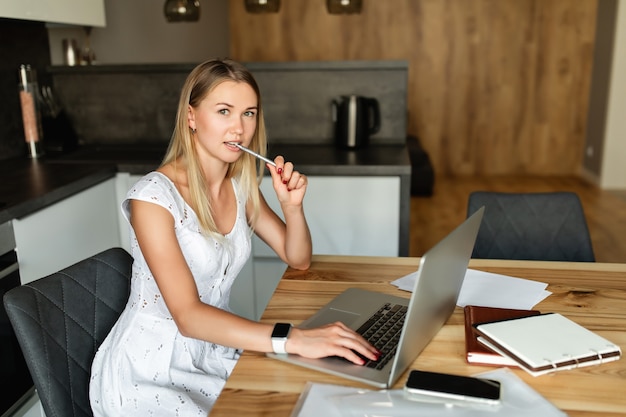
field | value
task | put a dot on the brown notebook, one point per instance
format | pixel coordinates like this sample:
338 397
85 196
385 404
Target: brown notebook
476 353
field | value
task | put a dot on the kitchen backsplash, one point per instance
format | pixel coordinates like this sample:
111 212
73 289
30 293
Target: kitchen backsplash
21 42
126 104
137 103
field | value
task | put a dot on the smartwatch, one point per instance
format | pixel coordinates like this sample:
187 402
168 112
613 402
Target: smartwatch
279 337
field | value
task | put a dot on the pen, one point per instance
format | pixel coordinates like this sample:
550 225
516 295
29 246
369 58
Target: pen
261 157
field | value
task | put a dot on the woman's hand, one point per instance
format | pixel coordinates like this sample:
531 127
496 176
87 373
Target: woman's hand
290 237
289 184
334 339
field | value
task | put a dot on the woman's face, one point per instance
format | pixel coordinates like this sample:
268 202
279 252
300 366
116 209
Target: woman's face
227 114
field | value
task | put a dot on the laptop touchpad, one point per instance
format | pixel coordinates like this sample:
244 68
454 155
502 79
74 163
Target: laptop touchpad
331 315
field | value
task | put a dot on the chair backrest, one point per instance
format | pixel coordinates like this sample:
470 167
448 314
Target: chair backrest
61 320
531 226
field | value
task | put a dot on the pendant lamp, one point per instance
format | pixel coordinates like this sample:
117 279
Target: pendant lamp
262 6
344 6
182 10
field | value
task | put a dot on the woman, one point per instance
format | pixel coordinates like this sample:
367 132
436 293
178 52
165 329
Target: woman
191 220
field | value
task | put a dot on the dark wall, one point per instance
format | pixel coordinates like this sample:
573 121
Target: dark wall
21 42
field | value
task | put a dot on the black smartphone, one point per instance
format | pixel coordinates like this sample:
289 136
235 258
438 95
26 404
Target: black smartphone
452 388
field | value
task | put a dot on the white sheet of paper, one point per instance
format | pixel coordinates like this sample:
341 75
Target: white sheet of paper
491 290
518 400
316 397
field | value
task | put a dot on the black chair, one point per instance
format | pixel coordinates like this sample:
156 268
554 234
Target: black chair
531 226
61 320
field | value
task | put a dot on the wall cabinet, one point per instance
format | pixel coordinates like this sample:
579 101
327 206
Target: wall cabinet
75 12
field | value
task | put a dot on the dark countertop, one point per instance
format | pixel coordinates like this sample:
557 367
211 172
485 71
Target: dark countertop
29 185
328 160
309 159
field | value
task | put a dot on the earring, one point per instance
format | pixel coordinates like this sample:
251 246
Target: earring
193 131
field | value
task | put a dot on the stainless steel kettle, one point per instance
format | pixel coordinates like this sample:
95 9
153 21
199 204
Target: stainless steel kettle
355 119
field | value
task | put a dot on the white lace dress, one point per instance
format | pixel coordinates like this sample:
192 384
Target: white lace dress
145 367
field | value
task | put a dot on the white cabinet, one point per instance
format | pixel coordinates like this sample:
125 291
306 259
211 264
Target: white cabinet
31 408
123 184
346 216
75 12
243 294
353 215
67 232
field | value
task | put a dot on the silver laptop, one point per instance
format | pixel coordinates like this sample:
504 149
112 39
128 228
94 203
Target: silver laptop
439 280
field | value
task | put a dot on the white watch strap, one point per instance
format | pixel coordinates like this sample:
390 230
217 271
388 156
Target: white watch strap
279 337
278 345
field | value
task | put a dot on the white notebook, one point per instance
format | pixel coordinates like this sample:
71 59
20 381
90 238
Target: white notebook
547 343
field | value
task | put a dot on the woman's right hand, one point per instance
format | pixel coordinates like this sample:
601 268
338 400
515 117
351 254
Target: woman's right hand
335 339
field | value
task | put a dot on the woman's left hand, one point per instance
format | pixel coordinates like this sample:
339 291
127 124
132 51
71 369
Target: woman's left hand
289 184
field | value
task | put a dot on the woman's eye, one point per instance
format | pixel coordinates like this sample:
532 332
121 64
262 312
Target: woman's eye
249 113
223 111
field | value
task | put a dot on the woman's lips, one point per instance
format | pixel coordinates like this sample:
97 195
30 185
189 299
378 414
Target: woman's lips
232 145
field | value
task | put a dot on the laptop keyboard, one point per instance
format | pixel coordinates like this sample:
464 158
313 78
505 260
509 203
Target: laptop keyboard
383 330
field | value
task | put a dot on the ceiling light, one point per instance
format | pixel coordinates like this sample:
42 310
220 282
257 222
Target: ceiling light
262 6
344 6
182 10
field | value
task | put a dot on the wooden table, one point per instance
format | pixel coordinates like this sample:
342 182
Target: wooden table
592 294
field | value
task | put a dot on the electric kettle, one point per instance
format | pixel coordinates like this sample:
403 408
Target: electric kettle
355 119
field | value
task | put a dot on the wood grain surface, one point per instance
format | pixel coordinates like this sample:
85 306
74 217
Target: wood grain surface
592 294
495 87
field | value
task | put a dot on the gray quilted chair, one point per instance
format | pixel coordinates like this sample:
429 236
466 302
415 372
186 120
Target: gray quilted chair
531 226
61 320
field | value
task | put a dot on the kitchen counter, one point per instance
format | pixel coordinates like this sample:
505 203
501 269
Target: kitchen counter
328 160
309 159
28 185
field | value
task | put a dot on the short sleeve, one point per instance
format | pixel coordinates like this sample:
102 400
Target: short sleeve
155 188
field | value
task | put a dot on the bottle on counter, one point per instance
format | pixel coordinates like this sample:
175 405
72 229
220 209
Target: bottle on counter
71 55
31 115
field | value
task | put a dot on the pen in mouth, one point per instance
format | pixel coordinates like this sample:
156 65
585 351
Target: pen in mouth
261 157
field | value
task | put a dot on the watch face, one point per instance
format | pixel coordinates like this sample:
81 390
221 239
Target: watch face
281 330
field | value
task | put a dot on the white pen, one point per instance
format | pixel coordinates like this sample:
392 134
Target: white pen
261 157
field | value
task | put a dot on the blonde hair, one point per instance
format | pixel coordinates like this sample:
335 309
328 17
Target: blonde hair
247 170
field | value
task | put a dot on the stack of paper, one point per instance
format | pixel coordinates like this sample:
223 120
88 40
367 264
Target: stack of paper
491 290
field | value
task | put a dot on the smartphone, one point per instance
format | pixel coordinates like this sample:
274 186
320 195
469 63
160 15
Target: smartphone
450 388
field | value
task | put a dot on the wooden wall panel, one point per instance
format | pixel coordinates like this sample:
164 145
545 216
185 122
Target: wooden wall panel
495 86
